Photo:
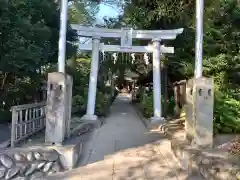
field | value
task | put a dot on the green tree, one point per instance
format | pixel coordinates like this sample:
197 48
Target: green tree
29 33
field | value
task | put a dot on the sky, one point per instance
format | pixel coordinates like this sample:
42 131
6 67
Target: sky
107 11
104 11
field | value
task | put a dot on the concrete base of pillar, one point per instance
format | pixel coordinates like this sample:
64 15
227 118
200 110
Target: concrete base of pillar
88 117
92 119
156 122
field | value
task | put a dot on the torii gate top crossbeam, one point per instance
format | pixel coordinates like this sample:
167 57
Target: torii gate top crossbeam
117 33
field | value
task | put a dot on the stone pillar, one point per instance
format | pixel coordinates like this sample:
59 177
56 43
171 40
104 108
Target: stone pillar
56 109
189 122
203 98
93 80
68 105
199 112
157 82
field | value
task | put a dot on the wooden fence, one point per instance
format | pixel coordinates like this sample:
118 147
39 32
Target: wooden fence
27 119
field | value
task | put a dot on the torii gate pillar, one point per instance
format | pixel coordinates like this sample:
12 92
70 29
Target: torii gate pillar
90 114
157 118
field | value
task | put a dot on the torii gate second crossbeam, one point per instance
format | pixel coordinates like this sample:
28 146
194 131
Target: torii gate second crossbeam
135 49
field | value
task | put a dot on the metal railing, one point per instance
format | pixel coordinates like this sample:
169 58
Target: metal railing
27 120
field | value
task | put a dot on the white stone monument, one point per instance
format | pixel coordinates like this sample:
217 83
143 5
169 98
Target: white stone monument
68 105
199 112
203 111
189 132
58 108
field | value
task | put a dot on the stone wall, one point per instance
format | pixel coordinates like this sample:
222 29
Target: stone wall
29 164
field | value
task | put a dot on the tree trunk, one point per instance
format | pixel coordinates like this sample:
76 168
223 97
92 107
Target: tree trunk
5 75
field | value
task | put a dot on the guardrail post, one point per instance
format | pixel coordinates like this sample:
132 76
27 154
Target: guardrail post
14 123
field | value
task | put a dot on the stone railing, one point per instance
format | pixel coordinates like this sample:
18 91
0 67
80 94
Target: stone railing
27 120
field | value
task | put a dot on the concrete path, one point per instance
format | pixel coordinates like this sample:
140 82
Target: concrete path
5 132
124 149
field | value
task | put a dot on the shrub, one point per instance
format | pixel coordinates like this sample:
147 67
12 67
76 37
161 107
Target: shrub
147 105
171 105
5 116
226 113
103 103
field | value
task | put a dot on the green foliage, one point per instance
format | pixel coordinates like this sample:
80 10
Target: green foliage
5 115
29 35
226 113
78 100
29 32
103 102
145 101
171 105
146 104
221 48
82 12
80 73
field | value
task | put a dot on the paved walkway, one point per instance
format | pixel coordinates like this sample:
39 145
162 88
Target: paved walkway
124 149
5 132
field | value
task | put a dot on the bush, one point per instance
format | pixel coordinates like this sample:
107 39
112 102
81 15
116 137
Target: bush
78 100
146 104
103 103
5 116
171 105
226 113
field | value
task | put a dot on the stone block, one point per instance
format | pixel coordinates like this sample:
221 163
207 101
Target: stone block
199 112
189 123
203 112
40 159
69 154
92 119
68 105
58 108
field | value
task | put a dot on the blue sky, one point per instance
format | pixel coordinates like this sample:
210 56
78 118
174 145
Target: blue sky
107 11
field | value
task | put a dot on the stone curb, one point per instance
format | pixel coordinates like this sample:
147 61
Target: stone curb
146 122
5 144
79 128
86 127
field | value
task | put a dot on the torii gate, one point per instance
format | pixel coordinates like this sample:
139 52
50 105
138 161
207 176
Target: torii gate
126 35
156 36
